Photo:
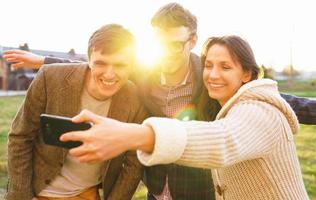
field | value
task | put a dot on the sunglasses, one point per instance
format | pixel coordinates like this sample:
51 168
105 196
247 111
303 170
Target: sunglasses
176 46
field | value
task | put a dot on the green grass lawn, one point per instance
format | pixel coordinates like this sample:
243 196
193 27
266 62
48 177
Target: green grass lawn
305 141
9 107
306 149
303 88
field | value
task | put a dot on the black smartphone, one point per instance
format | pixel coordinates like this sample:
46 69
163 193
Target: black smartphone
53 126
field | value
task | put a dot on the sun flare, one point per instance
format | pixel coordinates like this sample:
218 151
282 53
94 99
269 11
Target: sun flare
149 51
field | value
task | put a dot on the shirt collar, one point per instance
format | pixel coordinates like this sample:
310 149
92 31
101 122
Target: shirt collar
187 78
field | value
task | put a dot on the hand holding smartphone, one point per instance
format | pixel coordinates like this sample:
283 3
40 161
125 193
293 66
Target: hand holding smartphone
53 126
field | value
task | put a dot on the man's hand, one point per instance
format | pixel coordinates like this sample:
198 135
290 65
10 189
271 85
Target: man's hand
106 139
22 58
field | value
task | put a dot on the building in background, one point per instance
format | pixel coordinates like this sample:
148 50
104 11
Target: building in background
20 79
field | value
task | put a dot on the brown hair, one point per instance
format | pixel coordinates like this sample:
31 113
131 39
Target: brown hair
110 39
242 53
174 15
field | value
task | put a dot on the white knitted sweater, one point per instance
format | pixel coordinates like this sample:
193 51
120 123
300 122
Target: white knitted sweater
249 148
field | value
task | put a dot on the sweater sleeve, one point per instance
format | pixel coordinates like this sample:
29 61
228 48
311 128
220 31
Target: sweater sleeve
250 130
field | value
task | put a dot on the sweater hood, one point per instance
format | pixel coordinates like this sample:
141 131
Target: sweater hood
265 90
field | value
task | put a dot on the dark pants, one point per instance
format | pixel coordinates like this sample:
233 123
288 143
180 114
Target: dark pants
150 196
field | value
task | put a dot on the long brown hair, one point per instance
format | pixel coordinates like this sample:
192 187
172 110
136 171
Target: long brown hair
242 53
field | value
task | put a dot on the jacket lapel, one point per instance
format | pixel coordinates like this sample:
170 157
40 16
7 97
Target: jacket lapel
72 90
120 105
119 110
71 93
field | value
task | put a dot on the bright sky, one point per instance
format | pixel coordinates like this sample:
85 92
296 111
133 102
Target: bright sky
272 27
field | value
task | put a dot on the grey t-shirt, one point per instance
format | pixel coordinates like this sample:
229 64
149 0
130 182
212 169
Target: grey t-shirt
76 177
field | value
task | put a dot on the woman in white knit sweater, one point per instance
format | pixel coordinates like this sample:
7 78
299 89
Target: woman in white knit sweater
246 139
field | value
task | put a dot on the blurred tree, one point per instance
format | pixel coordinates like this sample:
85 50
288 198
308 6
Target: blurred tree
268 72
290 72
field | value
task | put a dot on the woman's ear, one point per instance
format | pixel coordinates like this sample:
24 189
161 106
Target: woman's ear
246 77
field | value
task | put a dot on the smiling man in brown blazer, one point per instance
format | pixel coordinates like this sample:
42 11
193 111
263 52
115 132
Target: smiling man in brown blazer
40 171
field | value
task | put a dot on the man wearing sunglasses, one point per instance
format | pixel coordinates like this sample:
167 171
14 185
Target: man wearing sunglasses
172 91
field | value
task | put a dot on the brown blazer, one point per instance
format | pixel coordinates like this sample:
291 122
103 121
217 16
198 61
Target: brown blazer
57 90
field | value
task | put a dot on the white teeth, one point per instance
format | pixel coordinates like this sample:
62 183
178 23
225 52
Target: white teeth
108 83
215 85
